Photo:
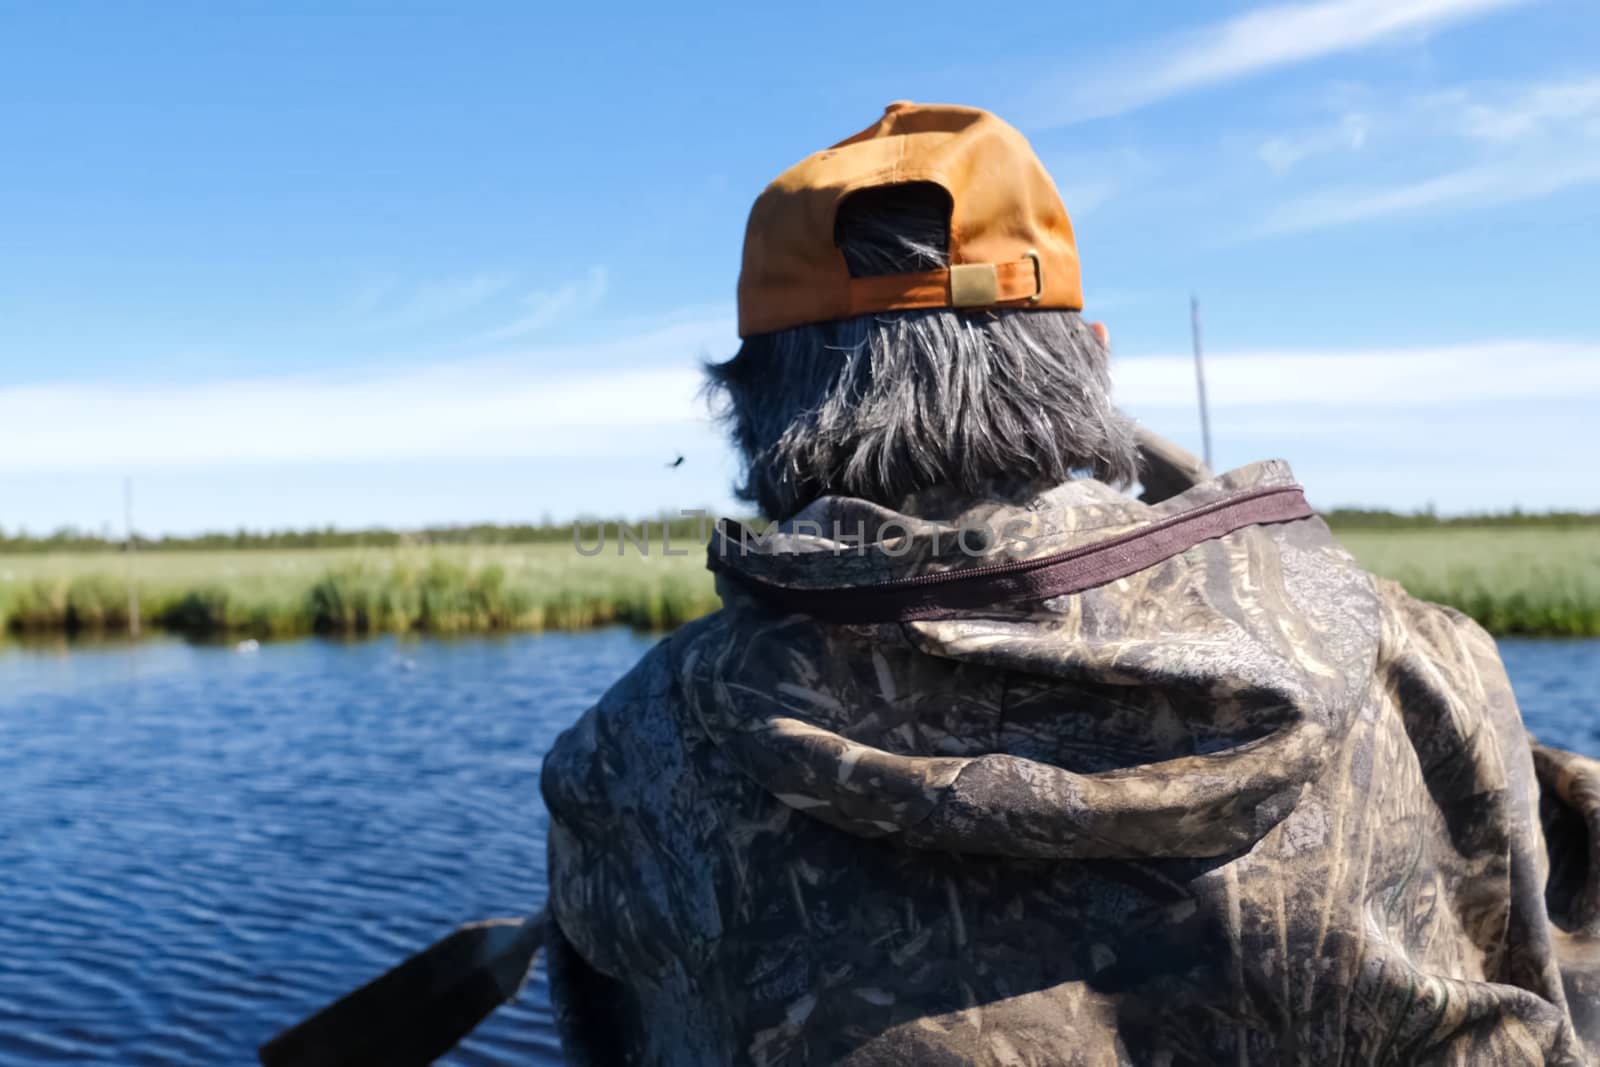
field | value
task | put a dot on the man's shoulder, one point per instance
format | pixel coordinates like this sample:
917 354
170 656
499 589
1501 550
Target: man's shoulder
1438 663
623 787
1438 631
630 735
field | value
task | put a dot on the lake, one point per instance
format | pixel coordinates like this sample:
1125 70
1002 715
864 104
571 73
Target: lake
199 846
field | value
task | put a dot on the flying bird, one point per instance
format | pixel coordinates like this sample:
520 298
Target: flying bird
675 463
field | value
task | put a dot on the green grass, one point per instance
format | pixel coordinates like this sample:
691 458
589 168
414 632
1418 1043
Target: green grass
1536 581
273 593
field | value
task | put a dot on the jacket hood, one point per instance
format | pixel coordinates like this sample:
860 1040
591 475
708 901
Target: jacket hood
1174 699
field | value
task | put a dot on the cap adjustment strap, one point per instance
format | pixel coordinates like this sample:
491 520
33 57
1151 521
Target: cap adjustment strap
964 285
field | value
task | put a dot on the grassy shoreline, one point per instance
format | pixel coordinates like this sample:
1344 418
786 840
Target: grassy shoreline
1527 582
1534 581
285 593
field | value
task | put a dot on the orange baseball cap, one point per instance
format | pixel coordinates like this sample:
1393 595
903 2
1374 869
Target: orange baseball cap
1010 239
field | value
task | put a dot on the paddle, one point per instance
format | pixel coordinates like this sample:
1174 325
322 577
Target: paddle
1165 469
419 1010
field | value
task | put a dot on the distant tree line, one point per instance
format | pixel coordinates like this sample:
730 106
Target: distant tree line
1373 519
681 531
71 539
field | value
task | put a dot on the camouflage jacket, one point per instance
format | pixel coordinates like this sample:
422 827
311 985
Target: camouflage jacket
1228 799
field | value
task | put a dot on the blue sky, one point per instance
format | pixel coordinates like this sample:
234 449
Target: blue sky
300 264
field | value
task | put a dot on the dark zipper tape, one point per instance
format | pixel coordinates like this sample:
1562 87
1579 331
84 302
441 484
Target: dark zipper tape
963 590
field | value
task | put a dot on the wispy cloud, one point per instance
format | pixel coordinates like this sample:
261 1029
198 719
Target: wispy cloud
1256 41
1391 428
1516 143
543 308
1385 427
1561 108
1282 154
1482 185
1353 381
369 298
429 302
1083 195
503 409
1484 115
463 409
1089 179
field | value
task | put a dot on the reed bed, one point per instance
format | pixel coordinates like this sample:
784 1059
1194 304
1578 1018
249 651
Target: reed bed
271 593
1532 581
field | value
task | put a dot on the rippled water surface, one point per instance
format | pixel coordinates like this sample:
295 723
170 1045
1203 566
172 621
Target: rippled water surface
199 846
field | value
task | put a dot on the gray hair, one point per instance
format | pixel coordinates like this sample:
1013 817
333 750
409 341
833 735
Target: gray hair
886 405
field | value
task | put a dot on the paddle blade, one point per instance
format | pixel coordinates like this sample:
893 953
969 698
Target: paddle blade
1165 469
416 1012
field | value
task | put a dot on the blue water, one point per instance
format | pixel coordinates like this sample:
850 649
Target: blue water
198 847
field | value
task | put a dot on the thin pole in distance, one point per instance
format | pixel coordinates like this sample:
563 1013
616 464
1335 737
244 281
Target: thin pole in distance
1200 379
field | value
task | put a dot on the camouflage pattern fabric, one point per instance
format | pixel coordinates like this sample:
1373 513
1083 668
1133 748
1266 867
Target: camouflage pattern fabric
1248 806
